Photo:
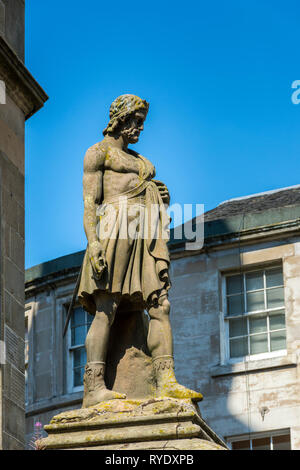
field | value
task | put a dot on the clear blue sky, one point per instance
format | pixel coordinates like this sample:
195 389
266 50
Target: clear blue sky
218 78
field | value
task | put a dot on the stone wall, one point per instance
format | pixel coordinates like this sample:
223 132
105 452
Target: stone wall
234 394
23 98
12 300
14 17
12 243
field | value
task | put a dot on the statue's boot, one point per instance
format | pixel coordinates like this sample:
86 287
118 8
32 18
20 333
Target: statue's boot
95 390
167 385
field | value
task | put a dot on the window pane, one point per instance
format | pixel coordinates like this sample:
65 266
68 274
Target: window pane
78 317
90 319
238 327
277 321
238 347
258 344
241 445
255 301
281 443
278 340
78 376
274 277
275 297
264 443
235 305
78 335
79 357
258 324
254 281
234 284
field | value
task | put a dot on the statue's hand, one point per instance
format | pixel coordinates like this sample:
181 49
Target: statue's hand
97 258
164 192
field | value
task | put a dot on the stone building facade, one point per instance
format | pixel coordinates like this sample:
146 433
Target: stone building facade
235 317
20 97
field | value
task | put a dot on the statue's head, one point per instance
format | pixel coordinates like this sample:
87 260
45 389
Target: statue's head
127 115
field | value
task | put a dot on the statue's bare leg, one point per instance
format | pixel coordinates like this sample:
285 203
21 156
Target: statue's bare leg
96 345
160 344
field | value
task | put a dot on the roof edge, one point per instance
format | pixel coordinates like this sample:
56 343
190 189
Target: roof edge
250 196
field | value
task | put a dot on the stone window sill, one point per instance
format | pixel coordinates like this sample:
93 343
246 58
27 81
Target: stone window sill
253 366
54 403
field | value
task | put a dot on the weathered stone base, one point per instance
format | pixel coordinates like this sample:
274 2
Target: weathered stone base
132 425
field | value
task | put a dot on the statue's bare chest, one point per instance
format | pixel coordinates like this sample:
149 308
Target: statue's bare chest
121 162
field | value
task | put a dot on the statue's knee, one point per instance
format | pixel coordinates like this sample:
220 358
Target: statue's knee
106 308
161 310
106 319
165 305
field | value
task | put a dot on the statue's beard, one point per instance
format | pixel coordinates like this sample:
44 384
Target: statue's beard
131 135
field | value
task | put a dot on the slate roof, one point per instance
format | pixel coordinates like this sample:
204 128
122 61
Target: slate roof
256 203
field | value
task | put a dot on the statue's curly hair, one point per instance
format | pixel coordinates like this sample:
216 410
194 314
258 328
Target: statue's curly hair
121 108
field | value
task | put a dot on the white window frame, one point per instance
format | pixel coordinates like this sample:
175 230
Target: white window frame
252 436
70 357
225 343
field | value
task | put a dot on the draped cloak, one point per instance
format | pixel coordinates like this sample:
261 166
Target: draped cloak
132 228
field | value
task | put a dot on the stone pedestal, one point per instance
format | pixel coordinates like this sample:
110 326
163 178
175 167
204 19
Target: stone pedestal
160 424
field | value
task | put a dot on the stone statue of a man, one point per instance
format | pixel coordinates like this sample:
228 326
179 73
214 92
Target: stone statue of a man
117 267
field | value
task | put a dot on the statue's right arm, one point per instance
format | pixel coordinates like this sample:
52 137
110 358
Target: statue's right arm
92 194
